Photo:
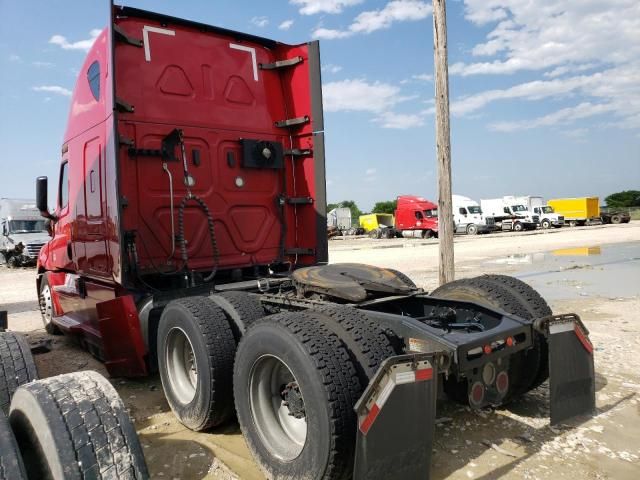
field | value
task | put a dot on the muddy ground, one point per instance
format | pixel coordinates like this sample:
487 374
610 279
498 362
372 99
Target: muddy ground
593 271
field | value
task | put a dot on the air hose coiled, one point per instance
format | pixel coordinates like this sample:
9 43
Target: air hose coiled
182 240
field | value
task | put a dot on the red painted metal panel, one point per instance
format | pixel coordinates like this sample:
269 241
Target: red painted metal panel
124 349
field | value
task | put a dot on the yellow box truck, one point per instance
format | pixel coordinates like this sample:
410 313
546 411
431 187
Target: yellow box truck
577 211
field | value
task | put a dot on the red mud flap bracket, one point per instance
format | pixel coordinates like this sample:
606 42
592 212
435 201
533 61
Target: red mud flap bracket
571 370
396 418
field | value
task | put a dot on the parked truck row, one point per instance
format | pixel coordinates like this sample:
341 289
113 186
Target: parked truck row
417 217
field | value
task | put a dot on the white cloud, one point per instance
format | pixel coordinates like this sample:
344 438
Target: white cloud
79 45
15 58
53 89
370 171
260 22
286 25
311 7
373 20
549 33
331 68
423 77
379 99
42 64
400 121
585 52
563 116
358 95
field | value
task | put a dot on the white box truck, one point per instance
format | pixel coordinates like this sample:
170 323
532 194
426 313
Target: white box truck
509 214
22 232
469 218
547 217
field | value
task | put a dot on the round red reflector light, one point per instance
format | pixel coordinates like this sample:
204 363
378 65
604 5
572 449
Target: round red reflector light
476 396
487 349
502 382
510 342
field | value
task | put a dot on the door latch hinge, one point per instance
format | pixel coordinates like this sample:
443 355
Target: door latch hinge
291 122
289 62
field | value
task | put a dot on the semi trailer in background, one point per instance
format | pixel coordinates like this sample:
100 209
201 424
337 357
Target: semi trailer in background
469 218
189 238
578 211
509 214
23 232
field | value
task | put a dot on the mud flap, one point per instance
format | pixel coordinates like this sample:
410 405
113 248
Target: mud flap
122 342
571 370
396 418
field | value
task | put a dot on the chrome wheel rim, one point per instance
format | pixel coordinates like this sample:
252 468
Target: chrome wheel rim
277 407
182 367
46 304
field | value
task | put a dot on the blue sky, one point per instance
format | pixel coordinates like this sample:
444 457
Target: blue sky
545 95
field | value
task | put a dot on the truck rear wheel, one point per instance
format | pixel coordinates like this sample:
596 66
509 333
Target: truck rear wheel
616 219
240 308
16 366
196 348
523 366
75 427
366 343
46 306
295 387
537 307
11 465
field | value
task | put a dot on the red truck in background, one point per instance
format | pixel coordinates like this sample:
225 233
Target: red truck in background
416 217
189 238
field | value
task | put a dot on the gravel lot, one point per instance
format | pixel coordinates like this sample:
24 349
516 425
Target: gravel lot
592 271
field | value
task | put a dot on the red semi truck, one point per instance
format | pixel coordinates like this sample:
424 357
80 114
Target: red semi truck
188 237
416 217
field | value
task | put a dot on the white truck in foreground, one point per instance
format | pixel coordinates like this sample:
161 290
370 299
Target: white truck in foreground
537 205
509 214
468 216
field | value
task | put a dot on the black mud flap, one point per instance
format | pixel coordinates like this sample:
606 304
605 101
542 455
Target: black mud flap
396 418
571 371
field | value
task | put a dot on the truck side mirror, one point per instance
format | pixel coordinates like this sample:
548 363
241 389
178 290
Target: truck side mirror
41 198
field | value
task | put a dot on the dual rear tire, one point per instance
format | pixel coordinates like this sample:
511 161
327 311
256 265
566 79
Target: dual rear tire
527 369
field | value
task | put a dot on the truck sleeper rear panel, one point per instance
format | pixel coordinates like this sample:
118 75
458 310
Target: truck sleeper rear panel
212 85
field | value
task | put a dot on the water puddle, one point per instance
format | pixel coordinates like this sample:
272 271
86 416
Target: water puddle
593 270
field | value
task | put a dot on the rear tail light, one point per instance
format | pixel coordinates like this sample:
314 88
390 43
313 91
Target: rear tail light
488 373
487 349
476 394
510 342
502 382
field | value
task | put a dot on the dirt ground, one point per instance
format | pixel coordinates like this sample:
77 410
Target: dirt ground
592 271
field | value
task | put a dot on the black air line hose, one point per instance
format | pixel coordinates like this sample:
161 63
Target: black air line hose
182 240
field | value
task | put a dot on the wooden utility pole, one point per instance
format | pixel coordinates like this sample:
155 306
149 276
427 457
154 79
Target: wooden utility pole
443 141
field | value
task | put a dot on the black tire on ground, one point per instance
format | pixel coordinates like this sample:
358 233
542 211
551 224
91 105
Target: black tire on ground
74 427
13 262
537 307
404 278
523 368
616 219
46 306
472 229
16 366
196 348
240 308
363 338
545 224
573 223
518 227
11 466
310 375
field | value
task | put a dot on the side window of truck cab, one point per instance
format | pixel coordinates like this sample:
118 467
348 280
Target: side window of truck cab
463 210
63 190
418 215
